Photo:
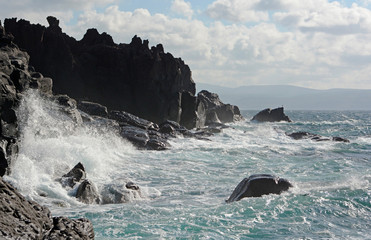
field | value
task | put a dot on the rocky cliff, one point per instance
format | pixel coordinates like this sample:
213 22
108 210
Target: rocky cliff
146 82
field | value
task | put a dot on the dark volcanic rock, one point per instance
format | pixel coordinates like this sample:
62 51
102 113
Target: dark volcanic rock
315 137
216 110
340 139
144 139
15 77
87 193
271 115
65 228
75 175
129 77
259 185
127 119
93 108
23 219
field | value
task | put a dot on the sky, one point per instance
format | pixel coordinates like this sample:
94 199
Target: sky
319 44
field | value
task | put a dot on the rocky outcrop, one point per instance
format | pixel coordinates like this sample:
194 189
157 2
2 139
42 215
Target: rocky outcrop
86 192
216 111
259 185
143 81
315 137
75 175
23 219
271 115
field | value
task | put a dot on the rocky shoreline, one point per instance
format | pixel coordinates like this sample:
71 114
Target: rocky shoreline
146 95
133 84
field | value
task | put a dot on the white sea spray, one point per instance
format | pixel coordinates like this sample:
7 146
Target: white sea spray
187 185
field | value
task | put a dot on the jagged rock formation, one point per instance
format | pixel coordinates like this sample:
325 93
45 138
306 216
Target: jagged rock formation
271 115
216 111
23 219
148 83
134 78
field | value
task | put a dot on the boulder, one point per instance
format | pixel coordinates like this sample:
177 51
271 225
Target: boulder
25 219
112 194
271 115
259 185
91 108
75 175
144 139
127 119
87 193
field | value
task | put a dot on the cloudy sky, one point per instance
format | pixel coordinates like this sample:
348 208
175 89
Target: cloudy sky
313 43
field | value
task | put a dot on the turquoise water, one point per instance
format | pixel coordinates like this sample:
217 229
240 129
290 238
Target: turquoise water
185 188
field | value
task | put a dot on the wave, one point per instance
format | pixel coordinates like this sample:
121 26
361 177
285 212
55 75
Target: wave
52 143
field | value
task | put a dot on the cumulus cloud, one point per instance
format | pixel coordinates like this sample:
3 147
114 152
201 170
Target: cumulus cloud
313 43
330 18
236 54
183 8
36 11
236 11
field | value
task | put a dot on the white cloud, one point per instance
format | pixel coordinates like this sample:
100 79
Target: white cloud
313 43
235 54
183 8
36 11
236 11
331 18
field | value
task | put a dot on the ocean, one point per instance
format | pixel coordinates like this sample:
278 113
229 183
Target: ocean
184 189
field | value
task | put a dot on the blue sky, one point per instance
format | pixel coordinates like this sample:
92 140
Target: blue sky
319 44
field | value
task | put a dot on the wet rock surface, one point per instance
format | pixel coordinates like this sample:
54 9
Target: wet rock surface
86 192
315 137
16 76
24 219
259 185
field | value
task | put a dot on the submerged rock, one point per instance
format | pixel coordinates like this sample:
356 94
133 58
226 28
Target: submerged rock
124 193
271 115
259 185
315 137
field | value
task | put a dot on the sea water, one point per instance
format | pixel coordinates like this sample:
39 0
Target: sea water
184 188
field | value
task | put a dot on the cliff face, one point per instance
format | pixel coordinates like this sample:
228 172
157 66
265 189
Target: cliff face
15 77
146 82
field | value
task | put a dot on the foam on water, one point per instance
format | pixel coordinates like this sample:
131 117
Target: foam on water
52 143
187 186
